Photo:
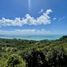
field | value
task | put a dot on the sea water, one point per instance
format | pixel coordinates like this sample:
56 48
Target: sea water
34 37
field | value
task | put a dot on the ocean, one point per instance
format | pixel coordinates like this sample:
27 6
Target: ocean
33 37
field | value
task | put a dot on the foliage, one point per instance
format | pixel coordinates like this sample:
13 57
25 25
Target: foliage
29 53
15 61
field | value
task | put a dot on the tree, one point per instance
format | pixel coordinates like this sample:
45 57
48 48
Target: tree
15 61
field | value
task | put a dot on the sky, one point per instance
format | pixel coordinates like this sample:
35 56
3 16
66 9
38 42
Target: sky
33 17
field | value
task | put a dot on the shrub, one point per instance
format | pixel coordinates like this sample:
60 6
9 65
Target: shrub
15 61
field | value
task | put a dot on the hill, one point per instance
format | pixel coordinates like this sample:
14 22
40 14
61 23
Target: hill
29 53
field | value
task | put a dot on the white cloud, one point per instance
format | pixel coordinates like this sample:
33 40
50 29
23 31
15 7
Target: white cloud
41 11
28 19
48 11
24 32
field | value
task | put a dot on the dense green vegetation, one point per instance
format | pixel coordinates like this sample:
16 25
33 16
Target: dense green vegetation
29 53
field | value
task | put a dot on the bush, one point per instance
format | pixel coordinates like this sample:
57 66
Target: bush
15 61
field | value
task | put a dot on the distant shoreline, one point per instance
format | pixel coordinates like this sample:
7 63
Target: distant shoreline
34 38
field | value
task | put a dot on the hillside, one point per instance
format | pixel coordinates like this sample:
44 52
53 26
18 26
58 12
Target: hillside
29 53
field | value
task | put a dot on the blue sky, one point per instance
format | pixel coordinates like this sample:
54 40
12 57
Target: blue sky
33 17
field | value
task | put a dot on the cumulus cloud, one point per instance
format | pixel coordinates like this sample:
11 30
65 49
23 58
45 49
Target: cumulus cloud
24 32
28 19
41 11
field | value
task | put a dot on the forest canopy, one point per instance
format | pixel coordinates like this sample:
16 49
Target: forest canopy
29 53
